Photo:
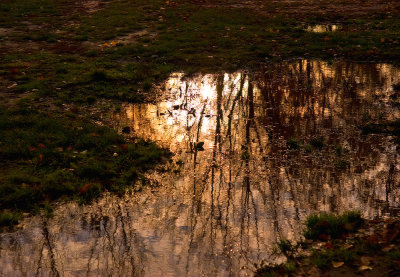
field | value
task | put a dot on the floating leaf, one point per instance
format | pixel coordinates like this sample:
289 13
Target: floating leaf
323 237
337 264
85 188
366 260
365 267
348 246
124 147
329 245
388 248
41 146
12 85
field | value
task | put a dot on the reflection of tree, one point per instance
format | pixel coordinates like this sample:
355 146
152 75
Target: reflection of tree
232 201
51 250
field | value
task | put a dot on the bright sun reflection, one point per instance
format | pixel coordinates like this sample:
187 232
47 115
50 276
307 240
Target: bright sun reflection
207 89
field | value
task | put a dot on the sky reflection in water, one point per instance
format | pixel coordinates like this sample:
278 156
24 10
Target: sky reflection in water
222 209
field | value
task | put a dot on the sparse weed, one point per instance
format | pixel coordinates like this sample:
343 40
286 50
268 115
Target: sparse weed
329 225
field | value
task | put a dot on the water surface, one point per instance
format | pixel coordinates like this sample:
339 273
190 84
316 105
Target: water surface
234 186
323 28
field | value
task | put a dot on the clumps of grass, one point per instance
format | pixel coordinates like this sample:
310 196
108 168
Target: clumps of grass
99 76
339 150
341 159
81 38
366 117
287 248
245 155
324 259
9 218
293 143
317 143
50 157
38 11
341 163
376 251
325 225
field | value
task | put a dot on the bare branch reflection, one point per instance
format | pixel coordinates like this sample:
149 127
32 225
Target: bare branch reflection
239 187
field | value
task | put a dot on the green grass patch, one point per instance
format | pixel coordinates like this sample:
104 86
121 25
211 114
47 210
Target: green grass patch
11 12
174 36
287 248
8 218
293 143
324 259
49 157
376 250
325 225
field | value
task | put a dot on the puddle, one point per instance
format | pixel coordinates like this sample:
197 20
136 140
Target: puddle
91 6
223 206
325 28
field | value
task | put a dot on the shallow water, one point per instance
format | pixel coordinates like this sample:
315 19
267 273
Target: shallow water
220 209
323 28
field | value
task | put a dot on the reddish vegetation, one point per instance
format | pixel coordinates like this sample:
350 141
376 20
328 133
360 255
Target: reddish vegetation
85 188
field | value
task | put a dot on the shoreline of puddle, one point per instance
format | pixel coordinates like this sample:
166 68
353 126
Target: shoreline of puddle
269 157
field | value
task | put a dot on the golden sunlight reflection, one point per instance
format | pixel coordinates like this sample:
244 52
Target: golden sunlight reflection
254 155
323 28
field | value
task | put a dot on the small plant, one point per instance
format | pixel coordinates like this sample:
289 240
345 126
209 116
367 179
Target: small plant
287 248
325 226
9 218
147 85
366 117
245 155
292 143
290 266
48 210
99 76
339 150
341 163
317 142
308 148
324 259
